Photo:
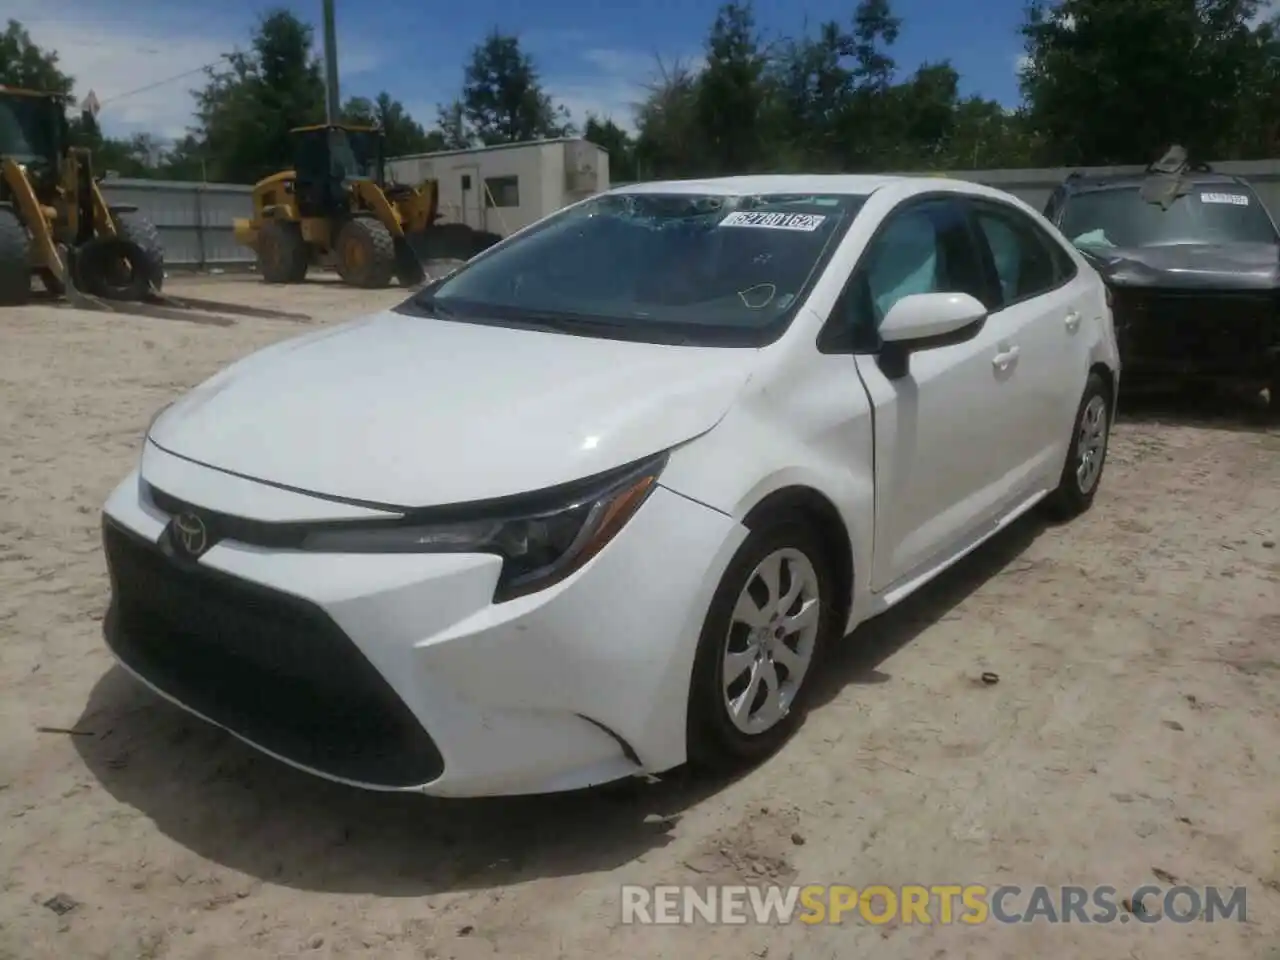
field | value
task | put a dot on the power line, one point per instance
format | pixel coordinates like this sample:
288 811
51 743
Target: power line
161 83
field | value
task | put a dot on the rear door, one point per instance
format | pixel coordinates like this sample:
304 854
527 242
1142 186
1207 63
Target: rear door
1041 304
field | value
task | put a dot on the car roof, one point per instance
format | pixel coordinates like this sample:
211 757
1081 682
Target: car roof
1117 181
838 183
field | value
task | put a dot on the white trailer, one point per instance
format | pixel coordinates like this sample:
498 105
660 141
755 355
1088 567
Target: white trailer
502 188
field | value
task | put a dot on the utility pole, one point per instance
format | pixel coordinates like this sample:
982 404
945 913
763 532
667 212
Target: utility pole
332 106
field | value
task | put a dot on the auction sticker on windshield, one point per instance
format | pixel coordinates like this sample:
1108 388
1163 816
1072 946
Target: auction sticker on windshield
1236 199
806 222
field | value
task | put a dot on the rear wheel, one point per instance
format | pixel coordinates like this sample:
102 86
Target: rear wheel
1087 454
765 630
15 262
365 253
282 253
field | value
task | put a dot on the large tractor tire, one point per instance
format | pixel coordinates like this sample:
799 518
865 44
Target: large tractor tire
365 253
282 253
112 268
137 229
15 265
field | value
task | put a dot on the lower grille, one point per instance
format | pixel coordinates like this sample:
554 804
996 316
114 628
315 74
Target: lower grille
273 668
1225 333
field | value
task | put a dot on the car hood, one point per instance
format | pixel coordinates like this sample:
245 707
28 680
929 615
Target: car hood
1236 266
410 411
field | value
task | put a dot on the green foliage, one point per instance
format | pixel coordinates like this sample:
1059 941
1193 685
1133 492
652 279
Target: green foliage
502 97
404 134
23 64
1116 81
605 133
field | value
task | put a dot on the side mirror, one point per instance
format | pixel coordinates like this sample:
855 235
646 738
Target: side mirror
923 321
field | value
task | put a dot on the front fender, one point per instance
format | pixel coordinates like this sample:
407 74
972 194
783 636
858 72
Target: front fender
813 432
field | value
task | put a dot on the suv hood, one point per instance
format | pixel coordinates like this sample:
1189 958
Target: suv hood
1198 266
410 411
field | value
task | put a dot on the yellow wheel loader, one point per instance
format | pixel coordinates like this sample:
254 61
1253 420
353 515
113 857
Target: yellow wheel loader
336 208
54 221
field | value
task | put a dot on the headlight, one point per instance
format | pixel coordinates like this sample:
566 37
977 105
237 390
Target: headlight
540 542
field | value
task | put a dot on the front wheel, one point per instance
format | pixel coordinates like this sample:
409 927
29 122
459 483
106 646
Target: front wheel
765 630
1087 453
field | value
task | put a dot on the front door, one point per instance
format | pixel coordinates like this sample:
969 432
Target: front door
940 431
472 195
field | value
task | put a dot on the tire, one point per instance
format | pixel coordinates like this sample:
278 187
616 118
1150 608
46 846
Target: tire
365 253
15 260
282 253
715 739
136 228
1091 431
112 268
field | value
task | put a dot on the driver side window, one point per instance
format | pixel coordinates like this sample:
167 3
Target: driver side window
926 248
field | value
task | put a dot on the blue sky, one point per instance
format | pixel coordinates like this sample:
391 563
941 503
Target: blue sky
592 55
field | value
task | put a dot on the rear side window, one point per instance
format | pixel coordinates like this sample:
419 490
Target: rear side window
1027 261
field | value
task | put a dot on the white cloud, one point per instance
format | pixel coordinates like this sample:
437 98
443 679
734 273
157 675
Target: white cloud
143 69
1266 10
1021 63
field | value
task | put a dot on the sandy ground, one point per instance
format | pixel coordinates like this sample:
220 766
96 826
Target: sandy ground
1134 733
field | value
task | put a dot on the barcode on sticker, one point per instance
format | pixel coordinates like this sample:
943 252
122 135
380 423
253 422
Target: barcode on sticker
1236 199
806 222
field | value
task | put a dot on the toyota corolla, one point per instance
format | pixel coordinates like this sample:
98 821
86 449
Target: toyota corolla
594 505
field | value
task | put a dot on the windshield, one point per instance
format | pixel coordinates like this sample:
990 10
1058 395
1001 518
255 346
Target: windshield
29 128
353 154
1208 213
686 268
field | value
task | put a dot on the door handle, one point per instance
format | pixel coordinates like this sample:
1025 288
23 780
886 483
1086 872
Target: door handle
1073 322
1005 359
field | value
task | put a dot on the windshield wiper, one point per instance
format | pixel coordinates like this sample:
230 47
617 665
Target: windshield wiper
429 304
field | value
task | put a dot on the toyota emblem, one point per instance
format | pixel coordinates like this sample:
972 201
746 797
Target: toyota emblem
190 534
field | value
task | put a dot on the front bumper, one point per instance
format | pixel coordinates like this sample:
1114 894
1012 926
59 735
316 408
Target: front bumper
397 672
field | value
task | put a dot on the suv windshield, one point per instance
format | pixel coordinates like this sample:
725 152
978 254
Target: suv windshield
1208 213
683 268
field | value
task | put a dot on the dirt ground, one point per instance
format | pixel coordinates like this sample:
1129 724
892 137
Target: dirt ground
1133 735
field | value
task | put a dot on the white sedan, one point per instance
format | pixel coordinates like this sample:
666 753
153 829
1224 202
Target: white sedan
594 504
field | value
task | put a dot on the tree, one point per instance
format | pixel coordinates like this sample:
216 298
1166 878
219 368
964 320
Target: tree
452 123
670 141
1118 81
502 96
404 135
247 108
617 143
23 64
730 96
